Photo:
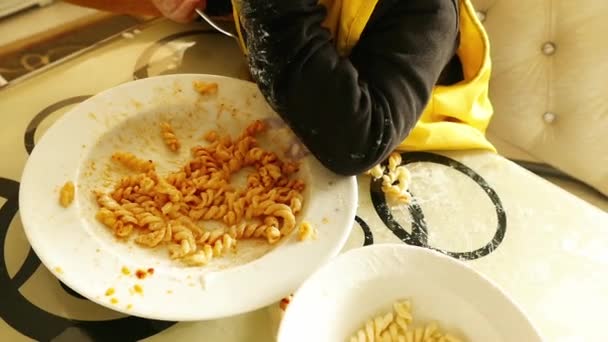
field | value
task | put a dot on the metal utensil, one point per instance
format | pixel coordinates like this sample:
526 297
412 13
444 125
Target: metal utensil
229 31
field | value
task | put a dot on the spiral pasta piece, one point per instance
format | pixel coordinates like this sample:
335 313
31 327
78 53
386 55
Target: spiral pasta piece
211 136
163 187
284 212
211 250
209 237
66 194
105 201
122 229
394 160
169 136
184 242
106 217
216 212
132 162
376 172
295 184
395 177
255 231
295 204
254 128
150 221
396 184
151 239
184 220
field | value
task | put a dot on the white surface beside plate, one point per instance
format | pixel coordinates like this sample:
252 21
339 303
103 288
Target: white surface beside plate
360 284
86 257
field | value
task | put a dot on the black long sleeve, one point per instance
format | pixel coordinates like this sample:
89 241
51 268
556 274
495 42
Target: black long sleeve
350 112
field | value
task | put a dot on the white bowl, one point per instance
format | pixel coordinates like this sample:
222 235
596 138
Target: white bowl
356 286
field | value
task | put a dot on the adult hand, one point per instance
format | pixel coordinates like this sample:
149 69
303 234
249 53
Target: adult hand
181 11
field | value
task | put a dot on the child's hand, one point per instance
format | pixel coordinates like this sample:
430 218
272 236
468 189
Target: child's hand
181 11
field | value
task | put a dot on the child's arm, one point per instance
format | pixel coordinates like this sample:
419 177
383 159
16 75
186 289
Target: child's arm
350 112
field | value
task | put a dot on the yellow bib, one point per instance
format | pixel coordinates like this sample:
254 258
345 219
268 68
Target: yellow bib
457 115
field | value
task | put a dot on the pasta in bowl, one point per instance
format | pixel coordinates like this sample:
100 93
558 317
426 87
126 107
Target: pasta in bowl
185 189
391 292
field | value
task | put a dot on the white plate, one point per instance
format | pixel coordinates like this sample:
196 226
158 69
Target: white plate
86 257
341 296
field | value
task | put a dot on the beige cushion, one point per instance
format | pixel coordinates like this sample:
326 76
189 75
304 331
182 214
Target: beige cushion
550 81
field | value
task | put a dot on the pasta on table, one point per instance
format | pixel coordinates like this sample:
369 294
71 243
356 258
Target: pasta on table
395 177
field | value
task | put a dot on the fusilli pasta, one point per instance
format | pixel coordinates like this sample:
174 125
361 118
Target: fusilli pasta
171 210
397 326
395 178
130 161
66 194
169 136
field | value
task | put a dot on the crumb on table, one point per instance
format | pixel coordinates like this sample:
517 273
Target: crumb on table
110 292
114 300
125 270
66 194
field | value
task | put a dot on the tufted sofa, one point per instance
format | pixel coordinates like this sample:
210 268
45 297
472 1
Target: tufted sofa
550 89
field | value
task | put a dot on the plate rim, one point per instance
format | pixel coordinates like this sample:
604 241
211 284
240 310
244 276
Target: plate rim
46 257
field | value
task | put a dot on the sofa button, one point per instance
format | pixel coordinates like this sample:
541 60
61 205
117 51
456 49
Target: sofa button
549 117
548 48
